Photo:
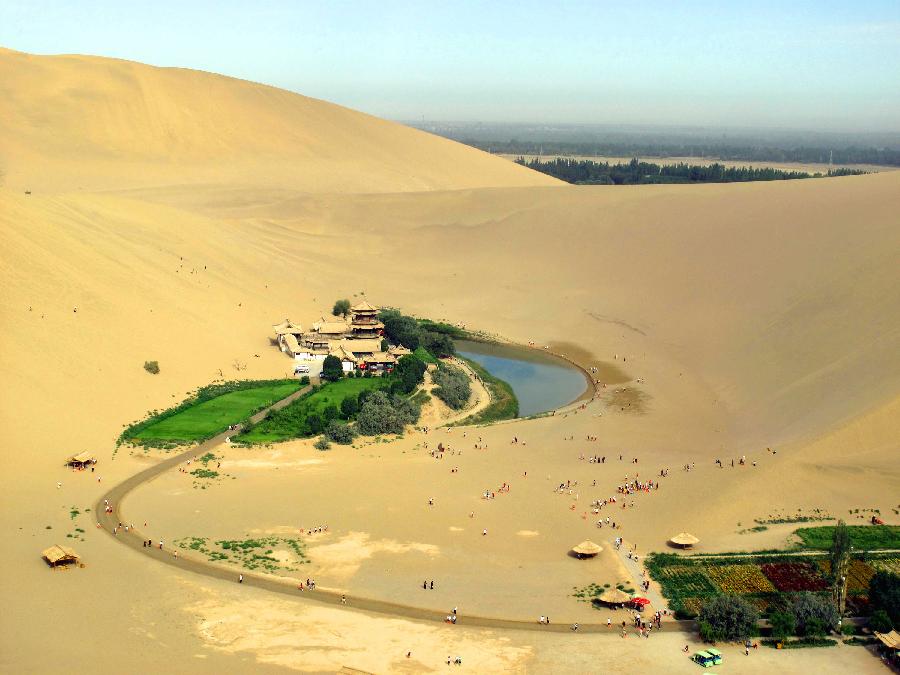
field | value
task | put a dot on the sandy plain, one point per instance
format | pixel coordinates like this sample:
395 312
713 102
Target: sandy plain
181 224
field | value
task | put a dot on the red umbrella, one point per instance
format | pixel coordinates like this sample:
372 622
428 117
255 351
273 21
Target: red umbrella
640 602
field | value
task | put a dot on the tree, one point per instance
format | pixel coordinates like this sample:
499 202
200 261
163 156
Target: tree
402 329
385 345
341 308
783 625
332 369
349 407
439 344
315 424
727 617
884 593
342 434
410 372
840 565
330 413
813 612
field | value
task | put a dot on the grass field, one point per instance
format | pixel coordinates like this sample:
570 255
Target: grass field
503 406
291 421
425 355
863 537
205 419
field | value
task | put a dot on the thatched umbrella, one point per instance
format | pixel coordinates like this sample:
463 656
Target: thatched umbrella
684 540
613 596
587 549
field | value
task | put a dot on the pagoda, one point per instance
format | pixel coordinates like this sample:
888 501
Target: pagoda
364 321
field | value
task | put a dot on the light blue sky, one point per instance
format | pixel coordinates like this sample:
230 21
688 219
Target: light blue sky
809 65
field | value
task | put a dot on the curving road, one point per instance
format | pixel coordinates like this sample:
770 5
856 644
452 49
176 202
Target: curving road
286 586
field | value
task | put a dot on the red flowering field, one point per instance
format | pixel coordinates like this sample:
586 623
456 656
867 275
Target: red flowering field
799 576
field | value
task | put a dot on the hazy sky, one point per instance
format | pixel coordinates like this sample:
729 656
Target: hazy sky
811 65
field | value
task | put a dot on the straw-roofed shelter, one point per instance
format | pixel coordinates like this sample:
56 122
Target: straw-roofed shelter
613 596
81 459
890 640
587 549
59 555
684 540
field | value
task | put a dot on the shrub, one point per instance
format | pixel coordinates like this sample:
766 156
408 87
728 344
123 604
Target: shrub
814 613
332 369
341 308
884 594
304 380
783 625
152 367
322 444
341 434
380 414
453 386
728 617
330 413
814 627
880 621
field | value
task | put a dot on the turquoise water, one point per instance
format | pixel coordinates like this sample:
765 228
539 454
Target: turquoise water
541 382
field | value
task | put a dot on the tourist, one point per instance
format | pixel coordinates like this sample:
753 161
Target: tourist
240 578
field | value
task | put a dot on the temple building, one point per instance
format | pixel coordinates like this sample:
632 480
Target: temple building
357 342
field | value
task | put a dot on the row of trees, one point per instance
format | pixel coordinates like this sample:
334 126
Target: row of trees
635 172
742 153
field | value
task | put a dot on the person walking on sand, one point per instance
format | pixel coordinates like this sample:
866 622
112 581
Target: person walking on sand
240 578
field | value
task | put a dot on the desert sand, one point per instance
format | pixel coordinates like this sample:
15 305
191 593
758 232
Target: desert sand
176 215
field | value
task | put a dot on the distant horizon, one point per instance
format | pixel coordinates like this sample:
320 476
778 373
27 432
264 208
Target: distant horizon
818 66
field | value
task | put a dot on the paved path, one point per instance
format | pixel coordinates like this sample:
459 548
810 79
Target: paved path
635 569
134 539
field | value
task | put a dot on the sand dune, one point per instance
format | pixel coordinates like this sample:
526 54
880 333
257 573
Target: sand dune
81 122
173 218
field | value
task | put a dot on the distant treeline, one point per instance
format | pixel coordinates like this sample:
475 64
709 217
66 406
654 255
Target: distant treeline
807 155
588 172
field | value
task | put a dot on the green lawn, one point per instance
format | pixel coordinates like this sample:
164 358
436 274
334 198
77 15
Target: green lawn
290 421
206 419
863 537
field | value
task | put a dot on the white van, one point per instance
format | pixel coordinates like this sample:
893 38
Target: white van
301 370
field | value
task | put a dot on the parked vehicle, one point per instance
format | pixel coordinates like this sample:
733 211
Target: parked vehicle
300 370
704 659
